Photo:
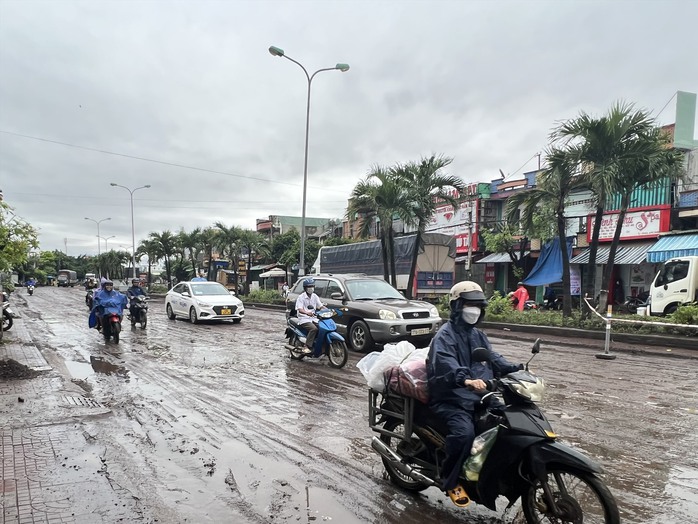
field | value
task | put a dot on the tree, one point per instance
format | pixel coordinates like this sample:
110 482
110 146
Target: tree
165 246
17 238
208 239
426 188
380 197
151 249
256 245
600 147
553 187
228 242
190 243
501 239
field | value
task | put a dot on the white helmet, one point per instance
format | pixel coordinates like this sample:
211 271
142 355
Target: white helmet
470 292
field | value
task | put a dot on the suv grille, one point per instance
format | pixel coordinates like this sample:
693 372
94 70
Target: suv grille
409 315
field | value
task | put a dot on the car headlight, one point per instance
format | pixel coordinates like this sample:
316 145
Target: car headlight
533 391
386 314
203 304
433 312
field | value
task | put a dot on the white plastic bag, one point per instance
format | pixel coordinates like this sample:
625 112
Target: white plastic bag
372 367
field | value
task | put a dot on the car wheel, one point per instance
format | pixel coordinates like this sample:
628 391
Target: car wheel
237 320
192 315
360 336
170 313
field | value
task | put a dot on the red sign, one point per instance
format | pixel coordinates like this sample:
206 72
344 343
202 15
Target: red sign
489 273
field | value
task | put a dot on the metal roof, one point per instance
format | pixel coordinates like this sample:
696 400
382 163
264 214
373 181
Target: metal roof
673 246
498 258
626 254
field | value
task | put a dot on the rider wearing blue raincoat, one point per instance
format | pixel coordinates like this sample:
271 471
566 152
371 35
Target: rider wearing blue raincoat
106 302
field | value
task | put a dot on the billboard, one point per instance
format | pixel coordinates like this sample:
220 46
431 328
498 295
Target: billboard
456 223
637 225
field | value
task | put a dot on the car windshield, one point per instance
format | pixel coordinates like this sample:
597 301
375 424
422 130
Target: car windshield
208 289
371 289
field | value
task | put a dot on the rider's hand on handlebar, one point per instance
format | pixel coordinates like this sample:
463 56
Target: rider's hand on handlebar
475 384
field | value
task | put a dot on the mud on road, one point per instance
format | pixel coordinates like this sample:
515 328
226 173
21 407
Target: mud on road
215 423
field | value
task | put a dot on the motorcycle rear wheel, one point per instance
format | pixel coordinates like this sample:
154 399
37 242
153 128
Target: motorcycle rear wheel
337 354
581 497
6 321
116 328
297 348
144 319
396 477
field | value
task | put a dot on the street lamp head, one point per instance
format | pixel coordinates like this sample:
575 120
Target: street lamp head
276 51
342 67
113 184
147 185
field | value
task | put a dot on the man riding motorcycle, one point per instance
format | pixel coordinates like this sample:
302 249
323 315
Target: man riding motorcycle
135 291
456 383
108 301
306 305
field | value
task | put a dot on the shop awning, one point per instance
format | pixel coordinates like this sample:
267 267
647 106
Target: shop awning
629 254
498 258
673 246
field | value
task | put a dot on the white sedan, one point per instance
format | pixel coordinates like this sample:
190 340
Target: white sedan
199 301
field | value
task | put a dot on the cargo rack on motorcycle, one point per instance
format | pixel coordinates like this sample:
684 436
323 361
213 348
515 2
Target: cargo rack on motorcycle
389 404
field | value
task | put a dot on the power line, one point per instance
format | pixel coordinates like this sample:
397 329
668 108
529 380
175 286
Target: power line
144 159
665 105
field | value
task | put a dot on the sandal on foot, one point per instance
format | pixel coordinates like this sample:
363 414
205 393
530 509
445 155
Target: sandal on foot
458 496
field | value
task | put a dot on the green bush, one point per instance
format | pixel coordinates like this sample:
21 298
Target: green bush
499 306
157 288
264 296
685 314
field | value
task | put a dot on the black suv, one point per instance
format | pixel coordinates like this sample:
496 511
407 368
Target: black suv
373 312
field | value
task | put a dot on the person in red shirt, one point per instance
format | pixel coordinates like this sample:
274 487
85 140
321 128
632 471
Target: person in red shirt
520 296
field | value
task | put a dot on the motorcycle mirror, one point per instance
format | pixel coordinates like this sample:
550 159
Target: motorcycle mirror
480 355
536 347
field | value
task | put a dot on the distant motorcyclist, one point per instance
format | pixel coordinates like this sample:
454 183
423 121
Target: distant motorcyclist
108 301
456 383
30 282
306 305
520 296
135 291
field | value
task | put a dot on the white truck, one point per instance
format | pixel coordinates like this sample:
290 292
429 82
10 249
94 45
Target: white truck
675 284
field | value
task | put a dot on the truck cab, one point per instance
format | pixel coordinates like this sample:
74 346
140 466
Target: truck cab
675 284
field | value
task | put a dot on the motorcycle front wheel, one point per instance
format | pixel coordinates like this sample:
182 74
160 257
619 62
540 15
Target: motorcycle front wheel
579 497
144 319
337 354
115 330
396 476
6 321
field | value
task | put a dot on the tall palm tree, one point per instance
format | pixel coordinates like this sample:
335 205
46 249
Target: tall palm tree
255 244
427 188
553 187
190 244
380 197
166 246
150 249
229 243
647 161
208 239
601 146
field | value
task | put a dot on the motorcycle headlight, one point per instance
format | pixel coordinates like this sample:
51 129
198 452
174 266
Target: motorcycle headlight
533 391
203 304
433 312
386 314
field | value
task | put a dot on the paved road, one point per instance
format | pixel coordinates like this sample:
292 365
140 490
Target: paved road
214 423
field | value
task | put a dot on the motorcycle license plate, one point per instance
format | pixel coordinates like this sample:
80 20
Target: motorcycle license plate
422 331
225 311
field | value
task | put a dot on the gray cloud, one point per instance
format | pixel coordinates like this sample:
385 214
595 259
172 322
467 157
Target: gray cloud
192 83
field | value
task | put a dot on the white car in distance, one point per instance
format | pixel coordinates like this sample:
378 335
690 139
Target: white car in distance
199 301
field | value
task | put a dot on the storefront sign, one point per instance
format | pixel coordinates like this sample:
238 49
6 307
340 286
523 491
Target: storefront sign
575 281
448 222
637 225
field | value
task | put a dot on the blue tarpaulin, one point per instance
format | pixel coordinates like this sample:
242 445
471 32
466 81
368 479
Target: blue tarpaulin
548 268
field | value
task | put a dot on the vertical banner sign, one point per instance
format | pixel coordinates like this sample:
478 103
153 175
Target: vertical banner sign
489 273
575 281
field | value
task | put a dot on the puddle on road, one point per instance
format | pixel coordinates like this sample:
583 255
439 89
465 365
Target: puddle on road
83 370
79 370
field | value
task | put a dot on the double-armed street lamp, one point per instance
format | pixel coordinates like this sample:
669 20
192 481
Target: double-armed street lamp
275 51
99 244
106 247
133 227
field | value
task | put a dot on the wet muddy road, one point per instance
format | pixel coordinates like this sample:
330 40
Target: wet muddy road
215 423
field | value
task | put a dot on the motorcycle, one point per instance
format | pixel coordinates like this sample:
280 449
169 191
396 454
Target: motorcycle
7 313
530 305
89 298
632 303
139 311
327 340
554 304
30 290
515 453
111 326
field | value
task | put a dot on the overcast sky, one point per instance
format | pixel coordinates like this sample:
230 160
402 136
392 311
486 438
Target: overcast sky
192 83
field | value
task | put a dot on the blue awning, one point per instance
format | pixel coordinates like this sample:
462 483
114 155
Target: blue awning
548 268
673 246
628 254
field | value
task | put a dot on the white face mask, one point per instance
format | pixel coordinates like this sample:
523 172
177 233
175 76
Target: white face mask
471 314
309 290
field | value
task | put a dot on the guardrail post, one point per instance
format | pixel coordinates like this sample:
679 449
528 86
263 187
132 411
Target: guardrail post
606 355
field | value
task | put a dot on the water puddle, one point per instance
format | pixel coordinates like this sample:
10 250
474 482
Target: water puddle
79 370
99 365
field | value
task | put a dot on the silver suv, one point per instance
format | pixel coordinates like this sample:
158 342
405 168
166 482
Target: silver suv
373 312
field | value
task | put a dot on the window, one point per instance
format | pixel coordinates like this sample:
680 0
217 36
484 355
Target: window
672 272
179 288
332 287
320 286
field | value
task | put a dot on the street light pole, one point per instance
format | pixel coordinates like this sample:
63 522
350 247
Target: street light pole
106 247
133 226
99 244
276 51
